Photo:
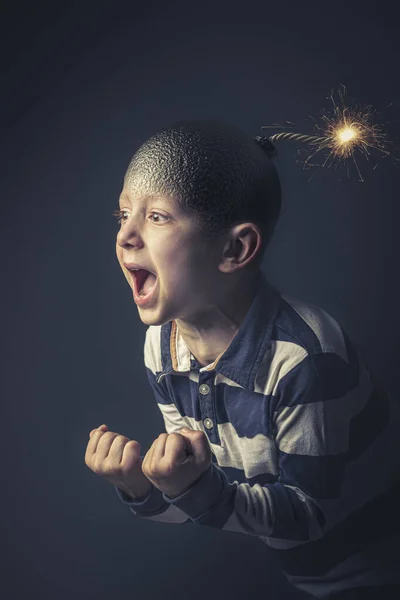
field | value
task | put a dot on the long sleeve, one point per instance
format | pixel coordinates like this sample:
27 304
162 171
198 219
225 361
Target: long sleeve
321 411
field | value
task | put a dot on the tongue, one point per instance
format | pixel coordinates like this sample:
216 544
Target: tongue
148 284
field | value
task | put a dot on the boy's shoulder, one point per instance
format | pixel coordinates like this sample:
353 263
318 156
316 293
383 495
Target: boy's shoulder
300 327
310 326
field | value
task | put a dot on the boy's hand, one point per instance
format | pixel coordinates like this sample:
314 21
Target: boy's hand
176 460
117 459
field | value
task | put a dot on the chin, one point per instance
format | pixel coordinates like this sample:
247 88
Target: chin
152 319
152 315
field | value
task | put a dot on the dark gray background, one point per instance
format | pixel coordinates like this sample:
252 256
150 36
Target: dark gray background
83 85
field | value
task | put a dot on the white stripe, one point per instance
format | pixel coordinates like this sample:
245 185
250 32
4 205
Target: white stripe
253 512
277 362
152 351
173 420
255 456
325 327
182 352
322 428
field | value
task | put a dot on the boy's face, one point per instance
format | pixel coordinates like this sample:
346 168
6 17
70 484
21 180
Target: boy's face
155 233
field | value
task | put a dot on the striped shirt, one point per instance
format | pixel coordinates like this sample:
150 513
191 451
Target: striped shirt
305 444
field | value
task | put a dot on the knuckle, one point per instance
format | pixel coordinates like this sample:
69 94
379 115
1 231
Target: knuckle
112 468
96 469
124 471
108 469
168 468
97 432
118 439
99 466
148 470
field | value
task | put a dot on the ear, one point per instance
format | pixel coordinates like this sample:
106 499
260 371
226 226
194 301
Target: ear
243 245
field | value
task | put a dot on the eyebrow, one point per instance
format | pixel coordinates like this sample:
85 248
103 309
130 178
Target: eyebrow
123 196
146 197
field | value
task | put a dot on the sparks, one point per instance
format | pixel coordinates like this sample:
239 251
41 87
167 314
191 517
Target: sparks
345 129
347 134
348 129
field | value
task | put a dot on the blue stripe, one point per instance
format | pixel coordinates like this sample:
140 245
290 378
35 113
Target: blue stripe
165 340
249 413
318 476
322 476
366 427
233 474
158 389
374 521
291 520
335 378
281 335
218 515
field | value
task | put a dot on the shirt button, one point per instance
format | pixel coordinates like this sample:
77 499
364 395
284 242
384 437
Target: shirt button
208 423
204 389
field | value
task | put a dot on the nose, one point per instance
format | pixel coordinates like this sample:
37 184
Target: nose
129 235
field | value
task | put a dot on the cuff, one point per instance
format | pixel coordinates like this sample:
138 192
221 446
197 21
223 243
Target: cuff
205 495
152 504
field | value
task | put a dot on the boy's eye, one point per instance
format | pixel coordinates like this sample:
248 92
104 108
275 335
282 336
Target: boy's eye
118 213
120 218
159 215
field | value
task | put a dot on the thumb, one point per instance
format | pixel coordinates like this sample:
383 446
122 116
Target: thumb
198 444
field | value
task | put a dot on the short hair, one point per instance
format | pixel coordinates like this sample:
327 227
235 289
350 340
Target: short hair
215 172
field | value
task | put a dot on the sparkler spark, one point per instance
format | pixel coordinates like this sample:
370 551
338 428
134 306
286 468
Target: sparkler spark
345 130
346 134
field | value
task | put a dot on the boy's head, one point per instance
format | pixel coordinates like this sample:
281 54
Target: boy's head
219 197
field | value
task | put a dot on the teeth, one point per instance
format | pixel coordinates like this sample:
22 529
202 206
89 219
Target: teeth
139 269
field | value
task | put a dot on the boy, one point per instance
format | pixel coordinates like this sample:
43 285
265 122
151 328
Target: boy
288 437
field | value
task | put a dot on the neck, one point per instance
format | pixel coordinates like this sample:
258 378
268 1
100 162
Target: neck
211 333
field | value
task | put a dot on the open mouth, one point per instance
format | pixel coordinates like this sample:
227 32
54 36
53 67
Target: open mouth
143 281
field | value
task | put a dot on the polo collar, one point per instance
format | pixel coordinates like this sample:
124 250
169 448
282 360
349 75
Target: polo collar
241 360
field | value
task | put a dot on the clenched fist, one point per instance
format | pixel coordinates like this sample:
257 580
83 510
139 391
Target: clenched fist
176 461
117 459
